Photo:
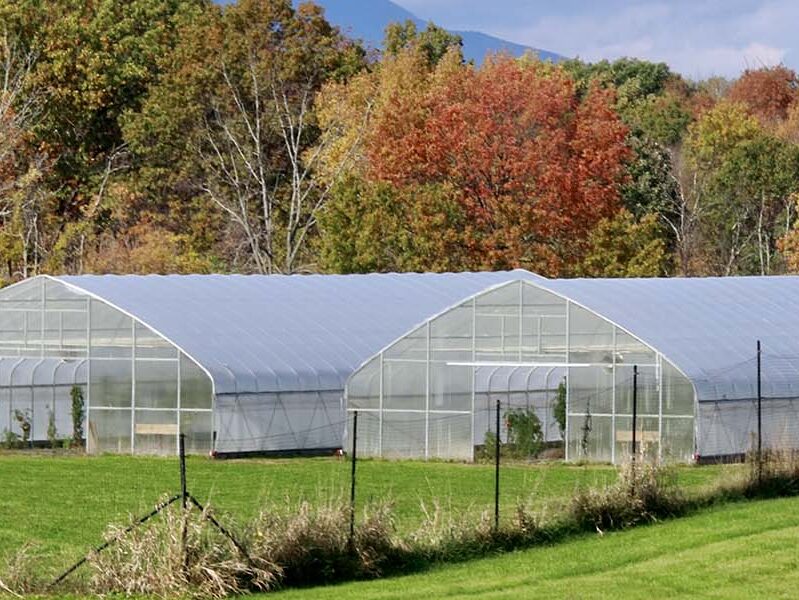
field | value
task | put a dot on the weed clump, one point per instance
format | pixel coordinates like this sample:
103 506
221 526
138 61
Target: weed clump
178 555
643 493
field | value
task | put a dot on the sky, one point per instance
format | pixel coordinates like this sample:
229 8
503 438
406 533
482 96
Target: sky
699 39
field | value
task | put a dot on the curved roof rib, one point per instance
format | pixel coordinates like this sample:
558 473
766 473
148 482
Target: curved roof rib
276 333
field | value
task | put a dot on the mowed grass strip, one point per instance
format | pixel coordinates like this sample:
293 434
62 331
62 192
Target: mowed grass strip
738 550
63 504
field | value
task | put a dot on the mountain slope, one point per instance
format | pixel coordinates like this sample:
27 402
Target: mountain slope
367 19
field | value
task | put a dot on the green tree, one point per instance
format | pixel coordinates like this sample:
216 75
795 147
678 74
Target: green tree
232 125
750 177
94 62
625 247
433 42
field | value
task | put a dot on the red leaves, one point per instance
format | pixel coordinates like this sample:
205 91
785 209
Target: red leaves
768 92
534 166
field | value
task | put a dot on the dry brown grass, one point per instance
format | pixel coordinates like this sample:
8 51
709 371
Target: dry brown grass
20 573
643 493
180 554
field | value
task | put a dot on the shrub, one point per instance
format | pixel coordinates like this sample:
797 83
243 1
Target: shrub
487 452
23 417
775 474
559 410
297 546
78 414
10 440
525 437
310 544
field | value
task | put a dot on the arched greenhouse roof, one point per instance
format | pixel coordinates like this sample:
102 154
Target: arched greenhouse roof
708 327
278 333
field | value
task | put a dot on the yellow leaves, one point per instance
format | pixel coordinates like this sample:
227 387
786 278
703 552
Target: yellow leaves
718 131
623 247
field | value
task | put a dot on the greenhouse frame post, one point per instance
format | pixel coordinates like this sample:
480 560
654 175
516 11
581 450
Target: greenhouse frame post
759 419
635 410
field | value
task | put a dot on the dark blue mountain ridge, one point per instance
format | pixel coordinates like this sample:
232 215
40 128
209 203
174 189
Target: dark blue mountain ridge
366 20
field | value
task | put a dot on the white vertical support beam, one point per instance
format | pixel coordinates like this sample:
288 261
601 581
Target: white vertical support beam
539 326
474 371
521 318
43 313
132 386
613 399
659 383
380 412
427 397
179 405
87 431
568 384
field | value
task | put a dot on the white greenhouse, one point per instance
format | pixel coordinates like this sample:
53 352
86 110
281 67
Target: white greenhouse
261 364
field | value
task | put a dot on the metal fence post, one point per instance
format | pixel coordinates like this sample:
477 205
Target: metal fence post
184 498
352 477
496 473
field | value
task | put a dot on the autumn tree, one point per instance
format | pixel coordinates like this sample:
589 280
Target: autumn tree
767 93
749 178
534 167
22 165
234 119
530 165
93 62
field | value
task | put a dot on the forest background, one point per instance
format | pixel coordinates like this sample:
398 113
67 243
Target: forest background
178 136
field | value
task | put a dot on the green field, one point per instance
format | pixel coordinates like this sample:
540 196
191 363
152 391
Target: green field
63 503
740 550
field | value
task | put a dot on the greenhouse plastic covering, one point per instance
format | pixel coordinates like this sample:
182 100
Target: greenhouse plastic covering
707 327
256 334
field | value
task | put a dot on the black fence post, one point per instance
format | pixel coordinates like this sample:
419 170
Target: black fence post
635 410
352 477
182 454
496 473
184 498
759 421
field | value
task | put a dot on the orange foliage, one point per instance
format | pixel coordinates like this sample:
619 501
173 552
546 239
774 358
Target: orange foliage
534 166
768 92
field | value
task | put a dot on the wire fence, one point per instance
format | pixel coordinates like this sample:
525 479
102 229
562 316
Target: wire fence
105 490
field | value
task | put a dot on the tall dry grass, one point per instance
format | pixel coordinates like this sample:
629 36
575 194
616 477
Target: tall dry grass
180 554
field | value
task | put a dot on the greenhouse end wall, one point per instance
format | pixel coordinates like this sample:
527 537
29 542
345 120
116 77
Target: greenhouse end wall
431 394
139 390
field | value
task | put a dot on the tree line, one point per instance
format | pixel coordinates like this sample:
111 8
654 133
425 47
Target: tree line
160 136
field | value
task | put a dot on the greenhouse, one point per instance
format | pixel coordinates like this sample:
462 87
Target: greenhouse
265 364
432 392
238 364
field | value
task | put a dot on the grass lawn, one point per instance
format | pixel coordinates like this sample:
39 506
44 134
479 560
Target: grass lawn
741 550
63 503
